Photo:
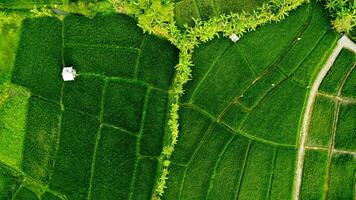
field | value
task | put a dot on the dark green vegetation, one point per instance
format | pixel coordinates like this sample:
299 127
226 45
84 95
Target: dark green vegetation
185 10
241 113
342 177
338 72
314 175
112 117
101 136
322 122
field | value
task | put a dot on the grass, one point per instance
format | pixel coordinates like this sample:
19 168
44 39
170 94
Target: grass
205 57
149 66
9 183
71 175
261 88
40 139
38 59
185 10
277 117
309 68
112 62
100 31
84 94
283 175
25 194
335 77
228 170
235 116
115 158
349 88
342 177
174 182
316 27
321 124
125 65
273 38
199 172
193 127
229 69
345 138
123 105
13 125
314 175
145 178
49 196
154 126
255 180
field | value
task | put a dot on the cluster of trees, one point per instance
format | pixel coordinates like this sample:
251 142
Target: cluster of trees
343 15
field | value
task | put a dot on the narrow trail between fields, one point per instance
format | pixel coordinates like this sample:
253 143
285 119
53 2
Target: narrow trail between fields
344 42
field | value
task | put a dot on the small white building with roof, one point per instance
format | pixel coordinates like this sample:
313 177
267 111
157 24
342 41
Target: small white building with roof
68 74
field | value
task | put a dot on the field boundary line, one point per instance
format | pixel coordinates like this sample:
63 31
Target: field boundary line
343 42
138 142
233 131
342 99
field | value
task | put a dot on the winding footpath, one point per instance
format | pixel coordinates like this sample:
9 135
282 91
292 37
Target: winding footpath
344 42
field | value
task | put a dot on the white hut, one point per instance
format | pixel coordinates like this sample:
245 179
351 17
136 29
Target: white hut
68 74
234 38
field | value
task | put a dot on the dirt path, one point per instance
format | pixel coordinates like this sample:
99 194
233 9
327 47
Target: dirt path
344 42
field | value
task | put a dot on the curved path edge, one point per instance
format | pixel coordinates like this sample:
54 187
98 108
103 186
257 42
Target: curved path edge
343 42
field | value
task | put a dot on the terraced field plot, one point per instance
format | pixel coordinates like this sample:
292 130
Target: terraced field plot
109 123
186 10
331 139
246 106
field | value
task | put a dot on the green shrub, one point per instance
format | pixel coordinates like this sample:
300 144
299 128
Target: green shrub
283 174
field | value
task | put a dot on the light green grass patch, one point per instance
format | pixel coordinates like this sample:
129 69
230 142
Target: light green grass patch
337 74
314 175
342 177
345 137
321 124
40 139
13 124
